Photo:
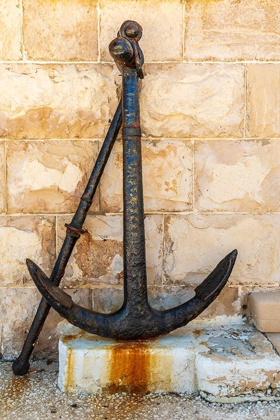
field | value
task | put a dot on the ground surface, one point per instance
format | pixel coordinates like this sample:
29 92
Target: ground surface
37 396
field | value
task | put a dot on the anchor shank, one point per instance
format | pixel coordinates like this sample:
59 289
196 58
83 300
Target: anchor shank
135 284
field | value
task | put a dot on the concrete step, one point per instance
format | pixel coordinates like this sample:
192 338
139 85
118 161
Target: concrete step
223 362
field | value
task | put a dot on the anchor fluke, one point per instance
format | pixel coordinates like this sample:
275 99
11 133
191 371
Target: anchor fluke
217 279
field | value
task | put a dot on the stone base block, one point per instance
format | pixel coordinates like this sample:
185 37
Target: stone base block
265 311
225 363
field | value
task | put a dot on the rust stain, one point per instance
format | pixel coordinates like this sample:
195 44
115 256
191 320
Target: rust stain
197 333
204 343
70 379
130 368
136 368
69 337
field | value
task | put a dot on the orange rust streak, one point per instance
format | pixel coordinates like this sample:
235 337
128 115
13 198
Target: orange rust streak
70 379
130 365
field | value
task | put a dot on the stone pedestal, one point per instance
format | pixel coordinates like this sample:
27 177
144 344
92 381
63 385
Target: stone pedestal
224 363
88 363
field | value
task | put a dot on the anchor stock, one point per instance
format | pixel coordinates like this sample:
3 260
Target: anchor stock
136 318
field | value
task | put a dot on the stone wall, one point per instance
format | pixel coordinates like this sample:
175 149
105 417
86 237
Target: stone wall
211 153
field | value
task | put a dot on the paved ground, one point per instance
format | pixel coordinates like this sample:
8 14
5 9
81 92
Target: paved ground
36 396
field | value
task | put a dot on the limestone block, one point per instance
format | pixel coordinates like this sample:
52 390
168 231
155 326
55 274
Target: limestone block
107 299
264 310
162 23
18 309
10 30
232 30
167 167
49 176
61 31
97 259
92 364
239 365
24 237
194 245
56 101
2 178
193 100
263 101
237 176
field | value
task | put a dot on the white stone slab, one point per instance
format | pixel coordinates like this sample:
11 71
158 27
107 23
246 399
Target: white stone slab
88 363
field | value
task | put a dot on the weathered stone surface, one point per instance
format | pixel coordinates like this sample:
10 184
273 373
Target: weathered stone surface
238 365
62 30
237 175
56 101
162 23
263 102
49 176
24 237
264 307
14 324
98 256
2 178
232 30
18 309
195 244
167 177
193 100
10 30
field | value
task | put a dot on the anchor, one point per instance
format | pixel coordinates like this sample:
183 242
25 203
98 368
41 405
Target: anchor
136 319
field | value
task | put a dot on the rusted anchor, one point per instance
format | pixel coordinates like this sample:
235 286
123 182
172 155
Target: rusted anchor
136 318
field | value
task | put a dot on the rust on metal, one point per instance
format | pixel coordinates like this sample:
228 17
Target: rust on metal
136 319
75 230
